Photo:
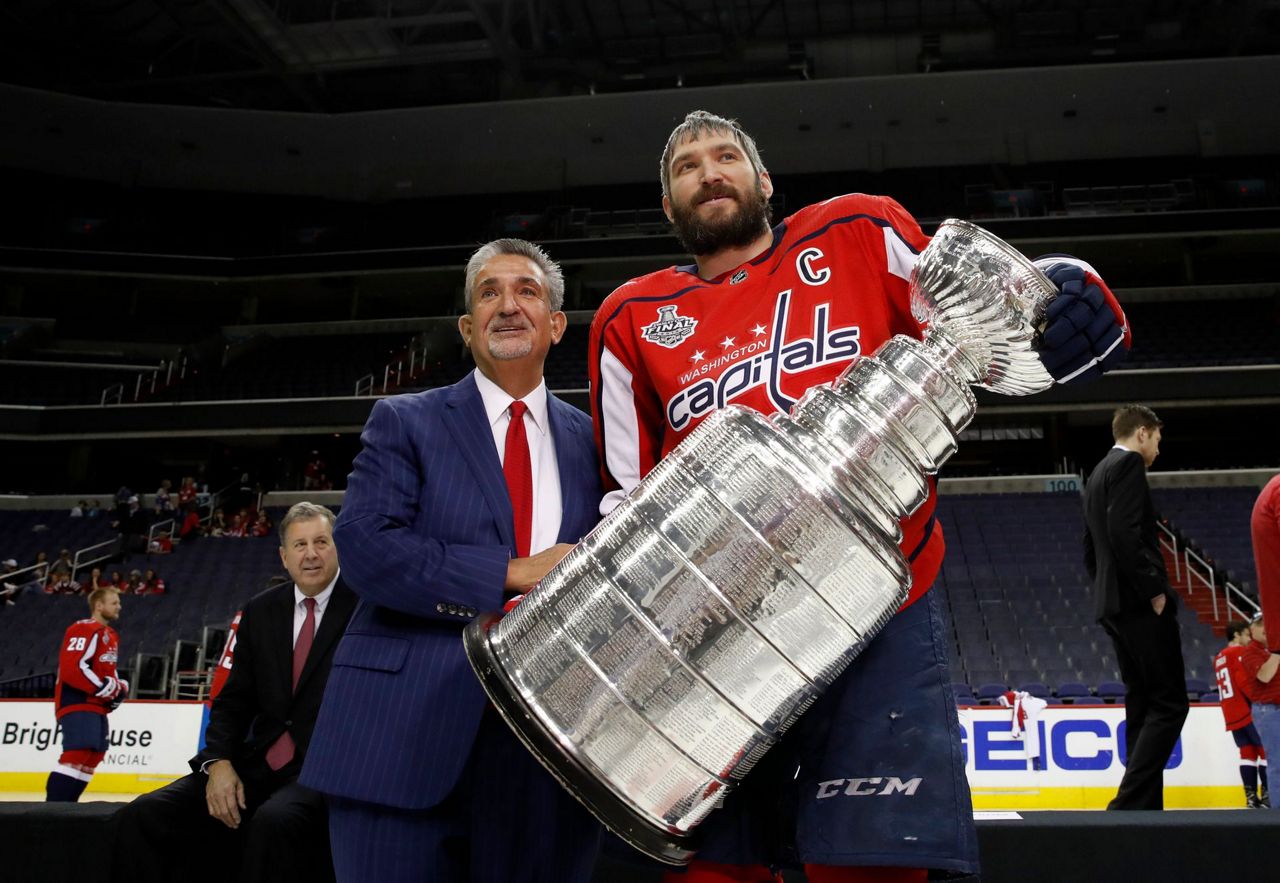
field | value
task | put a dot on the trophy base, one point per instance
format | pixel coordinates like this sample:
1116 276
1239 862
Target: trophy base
640 833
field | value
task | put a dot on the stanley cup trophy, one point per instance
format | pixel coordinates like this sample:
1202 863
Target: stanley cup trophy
656 664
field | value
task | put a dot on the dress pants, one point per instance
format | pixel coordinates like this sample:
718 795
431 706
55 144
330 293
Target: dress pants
168 836
1149 651
505 821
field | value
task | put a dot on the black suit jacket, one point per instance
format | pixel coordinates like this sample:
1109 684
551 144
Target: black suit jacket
257 703
1121 549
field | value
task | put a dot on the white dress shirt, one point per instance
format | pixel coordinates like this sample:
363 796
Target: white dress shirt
542 454
300 609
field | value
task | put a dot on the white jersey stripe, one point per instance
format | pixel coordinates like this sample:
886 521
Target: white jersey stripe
86 663
900 258
622 440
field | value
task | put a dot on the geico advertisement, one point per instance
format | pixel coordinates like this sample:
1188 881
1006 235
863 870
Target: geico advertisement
156 738
1085 746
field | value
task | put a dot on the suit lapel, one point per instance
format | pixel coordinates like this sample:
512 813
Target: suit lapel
568 461
332 625
466 420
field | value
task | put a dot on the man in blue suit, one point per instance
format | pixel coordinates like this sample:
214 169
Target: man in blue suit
424 780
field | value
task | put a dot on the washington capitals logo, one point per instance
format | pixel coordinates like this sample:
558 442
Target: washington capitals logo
669 329
740 276
757 364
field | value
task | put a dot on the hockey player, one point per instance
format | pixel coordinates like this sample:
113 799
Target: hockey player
1237 714
762 315
88 689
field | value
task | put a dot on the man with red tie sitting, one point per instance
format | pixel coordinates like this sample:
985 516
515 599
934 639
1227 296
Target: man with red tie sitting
242 799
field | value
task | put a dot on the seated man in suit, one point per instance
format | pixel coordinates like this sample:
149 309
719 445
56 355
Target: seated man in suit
460 494
243 796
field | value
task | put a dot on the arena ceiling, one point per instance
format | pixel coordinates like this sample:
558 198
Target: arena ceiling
331 56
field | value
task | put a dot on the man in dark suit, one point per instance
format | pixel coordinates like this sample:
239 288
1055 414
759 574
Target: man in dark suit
242 798
1134 604
461 495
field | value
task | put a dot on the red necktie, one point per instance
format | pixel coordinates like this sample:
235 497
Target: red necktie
281 750
519 475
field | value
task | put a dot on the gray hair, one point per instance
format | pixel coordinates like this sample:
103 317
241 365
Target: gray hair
698 124
490 250
305 511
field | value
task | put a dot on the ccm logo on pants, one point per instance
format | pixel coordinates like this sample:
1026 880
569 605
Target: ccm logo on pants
875 786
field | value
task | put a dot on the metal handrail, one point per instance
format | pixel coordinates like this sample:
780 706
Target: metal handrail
153 531
364 385
44 577
1189 557
80 561
116 391
191 685
1170 542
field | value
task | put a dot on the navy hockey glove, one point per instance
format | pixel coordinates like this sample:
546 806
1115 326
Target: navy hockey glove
1085 333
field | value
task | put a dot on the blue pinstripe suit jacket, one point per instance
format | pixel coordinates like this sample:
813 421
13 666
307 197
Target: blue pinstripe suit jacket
424 536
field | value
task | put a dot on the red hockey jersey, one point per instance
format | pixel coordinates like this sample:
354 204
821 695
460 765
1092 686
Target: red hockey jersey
669 348
226 660
87 679
1236 711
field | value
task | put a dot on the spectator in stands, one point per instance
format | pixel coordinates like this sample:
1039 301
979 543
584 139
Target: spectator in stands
63 583
429 535
236 528
39 576
118 580
161 544
77 511
10 588
1135 605
123 497
1238 716
97 580
312 472
261 525
88 689
188 509
94 510
135 585
218 524
64 564
242 796
152 584
133 526
163 503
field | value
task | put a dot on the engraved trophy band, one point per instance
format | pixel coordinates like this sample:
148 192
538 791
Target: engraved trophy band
656 664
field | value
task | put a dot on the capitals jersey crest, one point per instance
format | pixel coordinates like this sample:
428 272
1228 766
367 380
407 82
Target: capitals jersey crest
833 286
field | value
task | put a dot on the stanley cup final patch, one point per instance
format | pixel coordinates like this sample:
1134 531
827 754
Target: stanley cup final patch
669 329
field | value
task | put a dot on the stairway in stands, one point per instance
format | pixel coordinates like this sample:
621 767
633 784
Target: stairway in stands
1201 601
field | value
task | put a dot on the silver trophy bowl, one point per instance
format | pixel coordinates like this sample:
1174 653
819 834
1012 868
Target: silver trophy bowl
660 659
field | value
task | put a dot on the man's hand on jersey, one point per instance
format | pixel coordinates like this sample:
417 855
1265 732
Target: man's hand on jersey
224 793
523 573
1085 333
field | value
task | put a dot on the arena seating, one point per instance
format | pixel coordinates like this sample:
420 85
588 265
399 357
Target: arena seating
24 533
295 367
1018 602
1216 521
207 580
1179 334
57 384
